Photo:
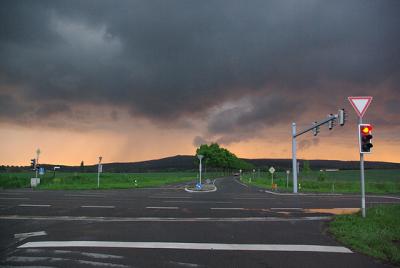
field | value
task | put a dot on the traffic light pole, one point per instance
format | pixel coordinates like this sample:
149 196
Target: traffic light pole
294 135
294 159
363 211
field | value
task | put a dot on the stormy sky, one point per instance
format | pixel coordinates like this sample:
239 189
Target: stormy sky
235 72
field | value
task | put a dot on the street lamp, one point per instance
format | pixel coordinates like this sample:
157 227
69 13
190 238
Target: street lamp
199 156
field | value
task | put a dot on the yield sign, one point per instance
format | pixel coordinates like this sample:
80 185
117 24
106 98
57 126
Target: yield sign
360 104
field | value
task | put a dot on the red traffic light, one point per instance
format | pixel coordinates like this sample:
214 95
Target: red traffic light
365 137
365 129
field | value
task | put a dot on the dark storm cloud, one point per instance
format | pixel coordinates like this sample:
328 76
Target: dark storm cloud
165 60
246 120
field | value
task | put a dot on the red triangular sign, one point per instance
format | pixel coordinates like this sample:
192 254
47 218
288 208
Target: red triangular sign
360 104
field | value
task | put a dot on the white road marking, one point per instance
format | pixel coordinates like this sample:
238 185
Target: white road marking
97 206
33 205
84 195
303 194
26 235
14 198
162 207
198 246
29 259
174 197
382 196
227 208
11 193
286 208
158 219
68 252
242 184
199 202
102 264
253 198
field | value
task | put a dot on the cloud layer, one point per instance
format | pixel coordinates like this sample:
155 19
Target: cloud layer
236 66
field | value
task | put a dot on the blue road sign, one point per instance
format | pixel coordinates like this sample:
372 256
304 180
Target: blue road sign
41 171
198 186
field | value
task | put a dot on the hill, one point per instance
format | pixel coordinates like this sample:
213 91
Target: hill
188 163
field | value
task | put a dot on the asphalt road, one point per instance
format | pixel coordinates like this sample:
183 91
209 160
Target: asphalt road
236 226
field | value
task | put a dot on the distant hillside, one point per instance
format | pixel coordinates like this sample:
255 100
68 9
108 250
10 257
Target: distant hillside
188 163
322 164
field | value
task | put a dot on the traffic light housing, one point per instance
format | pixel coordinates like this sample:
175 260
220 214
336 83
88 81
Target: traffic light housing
316 129
342 116
365 137
33 164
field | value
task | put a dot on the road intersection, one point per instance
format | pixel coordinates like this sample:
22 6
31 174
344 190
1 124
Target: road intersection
236 226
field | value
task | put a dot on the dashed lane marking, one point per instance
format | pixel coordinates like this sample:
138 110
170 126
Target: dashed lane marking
33 205
170 197
198 202
162 207
97 206
84 195
227 208
286 208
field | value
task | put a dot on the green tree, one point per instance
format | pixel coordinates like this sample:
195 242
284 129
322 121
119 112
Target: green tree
218 157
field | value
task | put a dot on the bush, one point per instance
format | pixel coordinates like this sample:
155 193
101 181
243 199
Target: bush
321 176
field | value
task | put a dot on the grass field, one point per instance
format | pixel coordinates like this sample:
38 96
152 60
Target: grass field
71 180
377 235
343 181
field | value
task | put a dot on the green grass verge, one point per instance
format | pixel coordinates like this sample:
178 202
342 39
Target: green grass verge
344 181
65 180
377 235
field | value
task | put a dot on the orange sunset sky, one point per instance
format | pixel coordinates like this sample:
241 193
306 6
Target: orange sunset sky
133 81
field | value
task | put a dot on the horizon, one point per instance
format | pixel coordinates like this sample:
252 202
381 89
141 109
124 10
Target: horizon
156 159
130 83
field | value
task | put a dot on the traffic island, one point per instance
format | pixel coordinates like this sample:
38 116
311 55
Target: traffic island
204 188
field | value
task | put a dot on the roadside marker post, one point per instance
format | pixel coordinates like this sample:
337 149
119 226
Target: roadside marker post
360 105
99 170
287 178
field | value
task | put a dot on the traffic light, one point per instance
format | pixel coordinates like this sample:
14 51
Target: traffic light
365 137
332 122
316 129
33 164
342 116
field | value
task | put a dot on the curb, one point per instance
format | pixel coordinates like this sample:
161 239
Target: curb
303 194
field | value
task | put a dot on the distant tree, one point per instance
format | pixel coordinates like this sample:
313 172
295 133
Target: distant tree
82 167
218 157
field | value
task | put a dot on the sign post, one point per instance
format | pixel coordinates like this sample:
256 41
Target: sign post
360 105
200 157
272 170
